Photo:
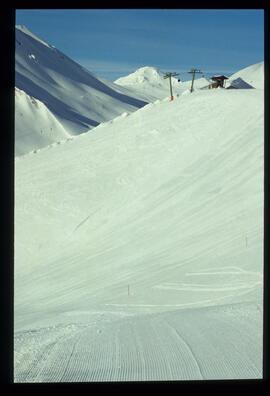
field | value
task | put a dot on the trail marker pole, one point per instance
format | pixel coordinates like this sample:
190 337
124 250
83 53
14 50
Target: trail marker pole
193 72
169 76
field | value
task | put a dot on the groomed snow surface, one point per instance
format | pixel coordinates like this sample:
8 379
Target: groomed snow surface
139 246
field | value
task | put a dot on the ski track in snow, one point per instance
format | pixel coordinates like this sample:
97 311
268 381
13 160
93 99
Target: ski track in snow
170 346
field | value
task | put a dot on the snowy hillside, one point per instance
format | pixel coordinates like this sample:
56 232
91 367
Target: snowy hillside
148 83
35 125
253 75
139 247
74 96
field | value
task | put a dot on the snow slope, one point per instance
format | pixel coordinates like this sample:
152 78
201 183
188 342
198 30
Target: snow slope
253 75
139 247
75 97
148 83
35 124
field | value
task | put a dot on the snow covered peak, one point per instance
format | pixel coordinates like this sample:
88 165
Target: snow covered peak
146 74
148 83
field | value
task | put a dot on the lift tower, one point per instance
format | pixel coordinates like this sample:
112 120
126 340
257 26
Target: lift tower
169 75
193 72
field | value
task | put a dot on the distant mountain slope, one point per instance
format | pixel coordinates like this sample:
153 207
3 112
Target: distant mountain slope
148 83
76 98
253 75
35 124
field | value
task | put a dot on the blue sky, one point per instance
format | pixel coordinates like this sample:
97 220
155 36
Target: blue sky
114 43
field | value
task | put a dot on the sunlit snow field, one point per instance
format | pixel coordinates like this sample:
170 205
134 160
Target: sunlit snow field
139 246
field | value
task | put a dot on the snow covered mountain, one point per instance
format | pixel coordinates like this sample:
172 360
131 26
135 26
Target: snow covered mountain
75 97
139 247
253 75
147 74
148 83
